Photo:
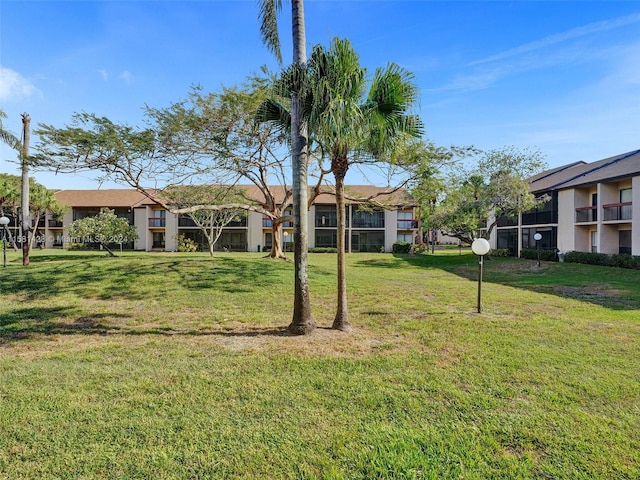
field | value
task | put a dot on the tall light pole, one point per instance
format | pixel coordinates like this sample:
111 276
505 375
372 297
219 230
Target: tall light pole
4 221
480 247
537 237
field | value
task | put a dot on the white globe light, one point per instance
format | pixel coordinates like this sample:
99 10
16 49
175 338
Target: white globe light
480 246
4 221
537 237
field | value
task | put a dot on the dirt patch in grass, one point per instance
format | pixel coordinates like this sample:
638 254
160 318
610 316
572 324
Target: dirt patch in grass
597 293
235 337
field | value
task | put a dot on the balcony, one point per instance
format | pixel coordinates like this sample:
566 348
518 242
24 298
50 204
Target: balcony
586 214
616 211
157 222
407 224
51 223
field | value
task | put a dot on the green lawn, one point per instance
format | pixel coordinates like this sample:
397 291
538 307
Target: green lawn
173 366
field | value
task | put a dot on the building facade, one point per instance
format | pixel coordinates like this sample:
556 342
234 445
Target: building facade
370 227
589 208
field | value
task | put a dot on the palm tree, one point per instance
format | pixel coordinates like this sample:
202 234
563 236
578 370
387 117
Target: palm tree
302 322
6 136
356 120
352 119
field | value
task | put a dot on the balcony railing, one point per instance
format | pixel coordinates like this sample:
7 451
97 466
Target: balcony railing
54 223
407 224
586 214
617 211
157 222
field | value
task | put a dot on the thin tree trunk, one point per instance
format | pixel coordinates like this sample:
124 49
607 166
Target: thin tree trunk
341 321
302 322
24 193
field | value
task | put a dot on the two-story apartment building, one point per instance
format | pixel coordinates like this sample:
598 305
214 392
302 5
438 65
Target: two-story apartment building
370 228
589 209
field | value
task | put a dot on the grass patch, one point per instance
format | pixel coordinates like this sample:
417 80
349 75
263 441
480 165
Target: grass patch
178 366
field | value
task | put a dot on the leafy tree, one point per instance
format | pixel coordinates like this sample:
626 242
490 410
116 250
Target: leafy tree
41 199
105 229
210 222
496 187
353 119
216 135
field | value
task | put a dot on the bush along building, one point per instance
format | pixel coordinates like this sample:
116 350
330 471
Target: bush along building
372 226
589 209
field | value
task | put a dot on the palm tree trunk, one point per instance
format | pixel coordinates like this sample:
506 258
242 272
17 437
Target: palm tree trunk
302 322
341 320
24 195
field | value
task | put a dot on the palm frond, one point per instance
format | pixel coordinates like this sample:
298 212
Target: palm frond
269 10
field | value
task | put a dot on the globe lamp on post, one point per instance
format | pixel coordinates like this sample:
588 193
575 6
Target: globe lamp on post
4 221
537 237
480 247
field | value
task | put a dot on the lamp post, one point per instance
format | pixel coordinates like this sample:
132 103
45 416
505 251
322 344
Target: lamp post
4 221
285 235
537 237
480 247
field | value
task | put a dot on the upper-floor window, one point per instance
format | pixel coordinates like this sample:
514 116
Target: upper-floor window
368 218
326 216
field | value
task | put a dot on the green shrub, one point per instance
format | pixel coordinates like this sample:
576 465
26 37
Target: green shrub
419 248
185 244
500 252
620 260
532 254
401 247
323 250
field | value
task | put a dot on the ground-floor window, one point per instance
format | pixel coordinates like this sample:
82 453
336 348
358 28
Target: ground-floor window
507 239
367 241
549 239
326 238
594 241
158 240
405 237
229 240
624 241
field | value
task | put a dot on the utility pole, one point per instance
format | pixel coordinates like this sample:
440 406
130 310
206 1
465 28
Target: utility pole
24 191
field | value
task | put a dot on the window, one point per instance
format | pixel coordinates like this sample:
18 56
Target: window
406 221
158 240
405 237
368 218
594 241
326 238
367 241
625 210
326 216
624 241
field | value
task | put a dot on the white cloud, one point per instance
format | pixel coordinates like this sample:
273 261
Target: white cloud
14 87
126 76
589 29
104 74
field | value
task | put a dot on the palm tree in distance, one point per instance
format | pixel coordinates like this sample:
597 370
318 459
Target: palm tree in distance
302 322
6 136
353 120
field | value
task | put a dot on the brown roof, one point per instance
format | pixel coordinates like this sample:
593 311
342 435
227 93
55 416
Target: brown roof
133 198
117 197
584 174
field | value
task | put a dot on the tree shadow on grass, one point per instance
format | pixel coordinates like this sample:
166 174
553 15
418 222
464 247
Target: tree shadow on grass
25 323
136 278
608 287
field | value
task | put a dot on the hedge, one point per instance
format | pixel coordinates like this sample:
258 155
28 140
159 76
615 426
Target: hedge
532 254
620 260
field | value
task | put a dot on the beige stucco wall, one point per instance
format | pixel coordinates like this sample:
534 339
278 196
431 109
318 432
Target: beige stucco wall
635 216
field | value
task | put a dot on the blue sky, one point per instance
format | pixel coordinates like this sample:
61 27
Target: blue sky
559 76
